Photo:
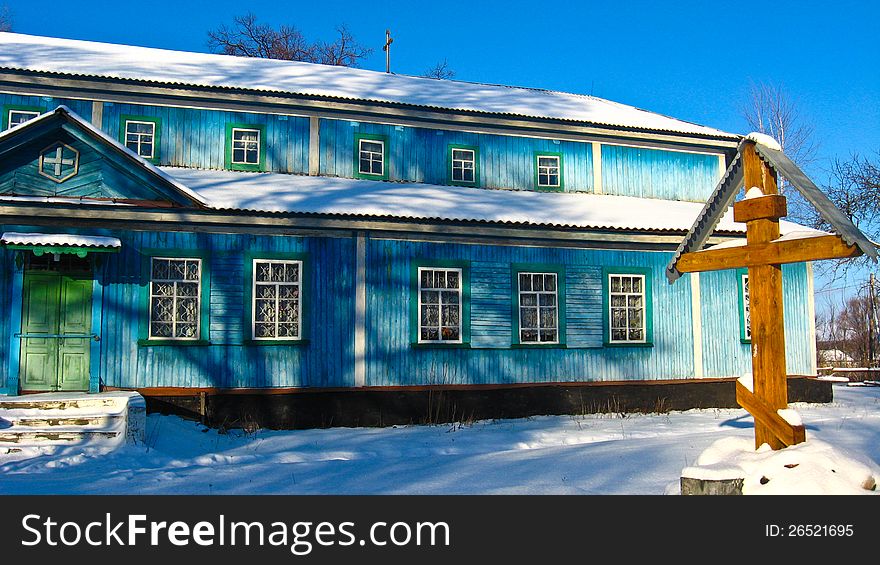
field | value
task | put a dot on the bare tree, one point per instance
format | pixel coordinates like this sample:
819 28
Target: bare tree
5 19
248 38
440 71
771 110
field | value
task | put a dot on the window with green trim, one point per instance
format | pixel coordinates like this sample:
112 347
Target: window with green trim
276 299
175 298
141 134
440 305
627 301
14 115
464 165
245 147
538 307
370 156
548 171
745 307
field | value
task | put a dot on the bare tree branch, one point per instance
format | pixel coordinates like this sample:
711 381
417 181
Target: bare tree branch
248 38
5 19
440 71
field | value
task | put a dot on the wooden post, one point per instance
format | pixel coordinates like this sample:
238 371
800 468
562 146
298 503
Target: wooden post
765 295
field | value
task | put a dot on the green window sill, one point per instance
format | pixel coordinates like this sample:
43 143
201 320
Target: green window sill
440 345
265 342
538 346
248 168
173 342
648 344
745 341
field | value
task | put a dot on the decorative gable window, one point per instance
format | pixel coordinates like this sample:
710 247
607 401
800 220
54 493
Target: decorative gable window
370 156
548 171
627 298
16 117
141 136
538 301
58 162
463 166
175 298
440 305
745 308
245 147
277 300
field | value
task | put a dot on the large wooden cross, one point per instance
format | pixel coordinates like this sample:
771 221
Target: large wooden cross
763 255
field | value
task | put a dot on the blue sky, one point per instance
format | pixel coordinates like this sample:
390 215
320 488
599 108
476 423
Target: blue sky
689 59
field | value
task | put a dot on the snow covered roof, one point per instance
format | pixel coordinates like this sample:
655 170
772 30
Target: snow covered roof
60 240
87 58
283 193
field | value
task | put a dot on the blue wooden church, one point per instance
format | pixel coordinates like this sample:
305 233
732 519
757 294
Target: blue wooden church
311 245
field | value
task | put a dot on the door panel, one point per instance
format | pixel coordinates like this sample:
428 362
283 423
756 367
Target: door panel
39 356
53 303
75 318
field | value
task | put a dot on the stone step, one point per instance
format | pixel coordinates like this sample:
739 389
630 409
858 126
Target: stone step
26 403
48 421
56 437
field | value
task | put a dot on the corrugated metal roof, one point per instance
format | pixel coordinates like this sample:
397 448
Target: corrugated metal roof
92 59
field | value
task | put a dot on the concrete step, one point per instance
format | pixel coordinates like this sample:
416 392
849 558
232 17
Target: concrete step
49 421
35 403
55 437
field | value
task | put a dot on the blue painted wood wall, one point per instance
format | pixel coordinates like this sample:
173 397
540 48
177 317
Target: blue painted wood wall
81 107
724 355
654 173
6 260
197 138
327 359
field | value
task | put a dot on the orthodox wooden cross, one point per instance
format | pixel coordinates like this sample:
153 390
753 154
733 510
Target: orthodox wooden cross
763 254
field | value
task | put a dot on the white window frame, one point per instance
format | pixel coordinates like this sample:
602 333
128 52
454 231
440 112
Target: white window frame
746 306
140 136
547 173
461 167
538 307
611 308
33 114
299 306
244 147
371 157
440 305
198 298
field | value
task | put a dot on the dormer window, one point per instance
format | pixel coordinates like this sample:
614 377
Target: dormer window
548 171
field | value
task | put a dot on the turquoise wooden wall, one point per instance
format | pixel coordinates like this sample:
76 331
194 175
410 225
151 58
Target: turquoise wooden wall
81 107
5 307
420 155
654 173
392 361
724 355
326 360
197 138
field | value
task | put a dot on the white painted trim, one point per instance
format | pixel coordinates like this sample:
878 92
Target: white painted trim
722 166
697 325
198 335
644 296
811 317
439 291
276 284
97 114
537 293
361 151
314 146
152 154
557 166
360 313
597 167
244 143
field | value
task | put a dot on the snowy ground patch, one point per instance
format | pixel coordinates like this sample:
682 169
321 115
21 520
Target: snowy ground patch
594 454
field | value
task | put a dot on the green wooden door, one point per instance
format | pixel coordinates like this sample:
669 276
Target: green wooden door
55 304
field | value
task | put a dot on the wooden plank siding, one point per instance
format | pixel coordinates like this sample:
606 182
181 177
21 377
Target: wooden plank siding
326 359
724 354
81 107
5 306
197 138
420 155
655 173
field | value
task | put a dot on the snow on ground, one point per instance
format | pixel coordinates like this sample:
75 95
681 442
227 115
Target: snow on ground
594 454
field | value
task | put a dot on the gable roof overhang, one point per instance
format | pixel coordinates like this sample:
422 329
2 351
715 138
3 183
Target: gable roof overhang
725 192
65 119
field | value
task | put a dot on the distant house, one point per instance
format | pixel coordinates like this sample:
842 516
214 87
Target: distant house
316 245
835 358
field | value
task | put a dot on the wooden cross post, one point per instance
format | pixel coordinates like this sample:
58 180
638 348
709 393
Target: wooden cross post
763 255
